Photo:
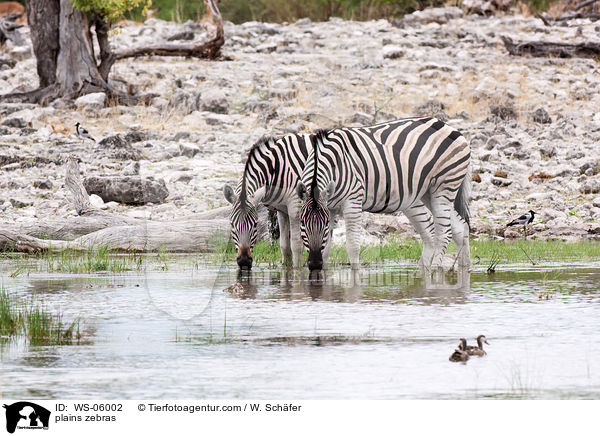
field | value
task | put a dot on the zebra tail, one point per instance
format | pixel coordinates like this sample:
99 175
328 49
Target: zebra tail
461 202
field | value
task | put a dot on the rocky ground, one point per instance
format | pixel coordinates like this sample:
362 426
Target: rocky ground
533 123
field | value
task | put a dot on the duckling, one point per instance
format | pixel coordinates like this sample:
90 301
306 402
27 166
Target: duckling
460 354
477 350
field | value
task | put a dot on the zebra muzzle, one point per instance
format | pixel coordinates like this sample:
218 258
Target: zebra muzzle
315 261
244 257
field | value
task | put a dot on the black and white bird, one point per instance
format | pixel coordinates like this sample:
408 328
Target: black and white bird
524 220
82 132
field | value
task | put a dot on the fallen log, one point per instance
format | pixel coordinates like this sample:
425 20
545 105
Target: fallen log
548 21
188 236
552 49
95 227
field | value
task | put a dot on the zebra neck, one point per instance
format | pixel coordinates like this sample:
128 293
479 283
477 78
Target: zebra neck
257 179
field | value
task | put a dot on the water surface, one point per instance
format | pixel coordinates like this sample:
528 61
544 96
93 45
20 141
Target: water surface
200 332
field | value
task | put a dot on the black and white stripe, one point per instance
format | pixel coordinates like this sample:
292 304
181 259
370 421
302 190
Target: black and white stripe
413 165
272 170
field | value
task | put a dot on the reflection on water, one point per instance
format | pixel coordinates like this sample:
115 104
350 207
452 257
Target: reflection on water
352 286
384 332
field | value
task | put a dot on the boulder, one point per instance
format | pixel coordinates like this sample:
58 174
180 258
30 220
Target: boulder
214 100
503 111
42 184
93 101
127 189
541 116
20 119
392 52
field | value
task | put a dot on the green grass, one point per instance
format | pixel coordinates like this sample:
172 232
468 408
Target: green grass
514 251
95 259
265 254
400 249
35 323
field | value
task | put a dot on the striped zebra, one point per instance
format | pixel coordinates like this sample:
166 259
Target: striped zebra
271 173
413 165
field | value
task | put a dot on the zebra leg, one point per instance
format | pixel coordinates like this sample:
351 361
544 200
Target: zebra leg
353 218
327 249
441 208
297 247
420 218
460 235
284 237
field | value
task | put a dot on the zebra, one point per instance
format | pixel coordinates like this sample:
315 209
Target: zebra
413 165
271 172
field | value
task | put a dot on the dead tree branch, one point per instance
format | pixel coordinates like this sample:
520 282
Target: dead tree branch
205 50
552 49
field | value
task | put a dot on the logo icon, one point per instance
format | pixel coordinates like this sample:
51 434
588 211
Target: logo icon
26 415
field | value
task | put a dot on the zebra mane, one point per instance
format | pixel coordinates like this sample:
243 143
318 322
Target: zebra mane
253 150
316 139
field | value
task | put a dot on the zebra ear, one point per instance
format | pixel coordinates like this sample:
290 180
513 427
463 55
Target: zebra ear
229 194
259 195
301 191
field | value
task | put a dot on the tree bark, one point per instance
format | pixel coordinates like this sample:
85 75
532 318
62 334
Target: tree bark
42 16
107 57
76 69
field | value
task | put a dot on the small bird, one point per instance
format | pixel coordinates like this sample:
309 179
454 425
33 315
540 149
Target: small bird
477 350
82 132
523 220
460 354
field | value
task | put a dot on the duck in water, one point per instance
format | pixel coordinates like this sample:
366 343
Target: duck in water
478 350
460 354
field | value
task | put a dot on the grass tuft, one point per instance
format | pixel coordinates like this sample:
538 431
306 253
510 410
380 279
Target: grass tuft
35 323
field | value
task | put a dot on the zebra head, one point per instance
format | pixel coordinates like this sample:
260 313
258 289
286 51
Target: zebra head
244 222
314 213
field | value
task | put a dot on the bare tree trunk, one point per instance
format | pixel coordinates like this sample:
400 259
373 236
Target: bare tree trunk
64 51
42 16
107 57
76 69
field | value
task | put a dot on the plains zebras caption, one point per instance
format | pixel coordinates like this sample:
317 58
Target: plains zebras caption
411 165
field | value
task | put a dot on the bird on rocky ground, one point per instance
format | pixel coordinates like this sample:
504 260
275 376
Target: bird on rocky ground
478 350
460 354
82 132
523 220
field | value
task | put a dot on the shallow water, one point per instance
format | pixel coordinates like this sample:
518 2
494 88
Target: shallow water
201 333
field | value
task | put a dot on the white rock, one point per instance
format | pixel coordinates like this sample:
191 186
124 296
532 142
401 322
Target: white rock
93 101
97 201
